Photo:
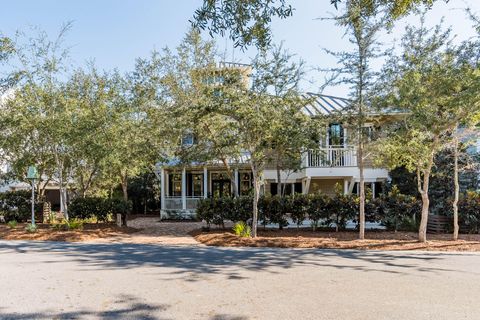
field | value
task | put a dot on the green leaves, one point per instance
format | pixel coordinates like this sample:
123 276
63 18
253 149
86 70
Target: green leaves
245 22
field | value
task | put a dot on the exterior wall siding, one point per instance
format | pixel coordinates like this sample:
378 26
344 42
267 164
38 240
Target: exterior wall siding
326 186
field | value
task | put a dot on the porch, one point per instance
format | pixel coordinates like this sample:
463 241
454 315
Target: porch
182 189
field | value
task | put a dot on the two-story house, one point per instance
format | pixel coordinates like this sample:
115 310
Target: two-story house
333 162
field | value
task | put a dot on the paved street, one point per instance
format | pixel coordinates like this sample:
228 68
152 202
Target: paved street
48 280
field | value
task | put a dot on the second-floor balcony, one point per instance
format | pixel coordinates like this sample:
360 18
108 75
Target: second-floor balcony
332 156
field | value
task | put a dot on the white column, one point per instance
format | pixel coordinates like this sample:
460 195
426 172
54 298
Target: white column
237 191
306 185
184 189
162 189
373 190
345 186
293 188
205 182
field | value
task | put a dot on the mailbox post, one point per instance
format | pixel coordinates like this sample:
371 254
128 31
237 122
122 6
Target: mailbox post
32 175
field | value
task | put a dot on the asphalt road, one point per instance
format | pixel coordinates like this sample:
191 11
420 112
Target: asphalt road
48 280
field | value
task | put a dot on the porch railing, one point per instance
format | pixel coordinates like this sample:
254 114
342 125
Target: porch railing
332 157
175 203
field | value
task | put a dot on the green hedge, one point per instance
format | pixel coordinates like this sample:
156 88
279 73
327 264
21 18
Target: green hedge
394 210
16 205
96 207
469 211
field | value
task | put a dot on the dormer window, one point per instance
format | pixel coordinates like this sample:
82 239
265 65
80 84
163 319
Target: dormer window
188 140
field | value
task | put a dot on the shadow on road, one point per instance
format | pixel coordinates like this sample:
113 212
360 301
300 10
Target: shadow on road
125 306
194 262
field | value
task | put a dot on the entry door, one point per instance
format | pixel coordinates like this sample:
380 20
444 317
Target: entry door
220 185
221 188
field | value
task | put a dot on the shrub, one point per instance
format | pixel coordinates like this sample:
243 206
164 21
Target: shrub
98 208
74 224
469 211
16 205
205 210
12 224
241 229
32 228
243 209
317 208
88 207
342 208
398 211
218 210
273 209
395 210
116 205
297 206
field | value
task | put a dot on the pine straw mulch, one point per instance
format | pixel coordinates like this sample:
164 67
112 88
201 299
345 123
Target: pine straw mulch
374 240
45 232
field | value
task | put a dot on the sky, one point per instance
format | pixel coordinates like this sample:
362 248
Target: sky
113 33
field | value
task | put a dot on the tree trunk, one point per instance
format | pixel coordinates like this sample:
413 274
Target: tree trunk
361 234
279 182
422 232
457 189
125 190
231 175
256 196
423 190
124 183
63 201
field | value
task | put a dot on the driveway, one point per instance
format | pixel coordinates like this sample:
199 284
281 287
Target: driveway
52 280
154 231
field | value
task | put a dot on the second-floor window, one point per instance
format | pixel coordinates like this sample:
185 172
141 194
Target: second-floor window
336 136
188 140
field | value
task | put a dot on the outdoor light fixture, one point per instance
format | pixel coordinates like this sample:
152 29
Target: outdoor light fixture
32 175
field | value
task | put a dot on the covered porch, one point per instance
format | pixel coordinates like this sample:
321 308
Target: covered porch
182 188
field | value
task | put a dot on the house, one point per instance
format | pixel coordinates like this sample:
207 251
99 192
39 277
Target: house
333 162
51 189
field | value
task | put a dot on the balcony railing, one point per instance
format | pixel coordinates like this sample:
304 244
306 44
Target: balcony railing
332 157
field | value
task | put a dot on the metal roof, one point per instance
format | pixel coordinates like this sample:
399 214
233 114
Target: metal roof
322 104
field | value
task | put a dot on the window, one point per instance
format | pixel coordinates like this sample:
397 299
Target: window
335 134
369 132
245 183
175 185
197 184
188 140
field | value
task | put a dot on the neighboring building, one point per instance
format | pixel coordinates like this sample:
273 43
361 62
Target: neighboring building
333 162
51 189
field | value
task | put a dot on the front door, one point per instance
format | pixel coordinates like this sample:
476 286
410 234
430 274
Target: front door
221 186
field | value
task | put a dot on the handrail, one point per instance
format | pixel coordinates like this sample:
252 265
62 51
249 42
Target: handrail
332 157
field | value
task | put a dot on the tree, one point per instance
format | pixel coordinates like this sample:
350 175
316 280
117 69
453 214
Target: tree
193 84
129 146
396 8
462 69
276 74
248 22
6 51
37 67
89 92
437 91
362 25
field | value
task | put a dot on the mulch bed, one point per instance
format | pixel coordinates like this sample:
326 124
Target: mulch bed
46 232
375 240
